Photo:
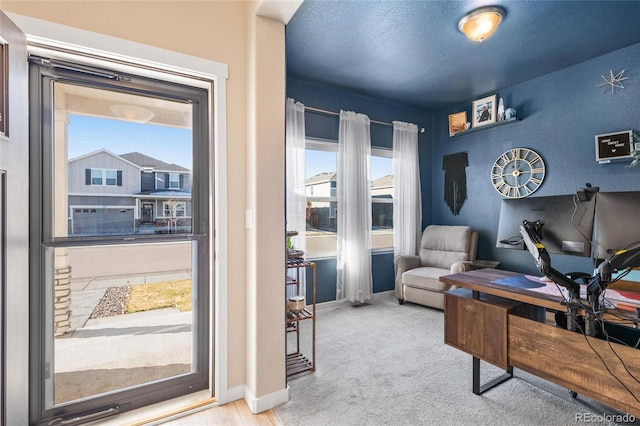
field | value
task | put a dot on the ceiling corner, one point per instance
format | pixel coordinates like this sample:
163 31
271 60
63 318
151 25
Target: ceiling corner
279 10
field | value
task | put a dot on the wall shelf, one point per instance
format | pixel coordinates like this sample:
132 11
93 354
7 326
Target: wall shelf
486 126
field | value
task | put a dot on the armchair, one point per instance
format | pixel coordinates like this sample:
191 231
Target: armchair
443 250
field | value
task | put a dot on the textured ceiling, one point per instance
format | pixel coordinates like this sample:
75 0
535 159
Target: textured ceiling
412 53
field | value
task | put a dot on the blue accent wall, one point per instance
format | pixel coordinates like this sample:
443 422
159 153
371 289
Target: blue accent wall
323 126
560 115
325 280
381 269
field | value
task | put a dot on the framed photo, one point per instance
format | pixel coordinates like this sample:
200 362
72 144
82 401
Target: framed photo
614 146
457 122
484 111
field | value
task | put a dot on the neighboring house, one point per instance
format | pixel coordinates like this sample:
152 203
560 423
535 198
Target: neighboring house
382 202
322 210
321 213
382 187
128 193
322 185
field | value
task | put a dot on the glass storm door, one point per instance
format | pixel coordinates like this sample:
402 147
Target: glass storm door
120 290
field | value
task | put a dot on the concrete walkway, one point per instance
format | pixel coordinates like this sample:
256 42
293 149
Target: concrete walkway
143 339
87 292
108 353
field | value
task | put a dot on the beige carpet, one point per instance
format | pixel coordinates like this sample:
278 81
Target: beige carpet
386 364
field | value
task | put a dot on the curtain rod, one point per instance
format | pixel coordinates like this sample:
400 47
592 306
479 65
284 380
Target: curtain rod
324 111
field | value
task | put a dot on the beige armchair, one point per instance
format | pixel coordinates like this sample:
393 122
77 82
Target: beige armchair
444 250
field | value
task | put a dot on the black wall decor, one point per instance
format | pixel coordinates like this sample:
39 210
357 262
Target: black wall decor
455 180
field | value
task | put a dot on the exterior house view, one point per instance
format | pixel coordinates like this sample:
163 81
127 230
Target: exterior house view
321 215
127 194
382 202
322 209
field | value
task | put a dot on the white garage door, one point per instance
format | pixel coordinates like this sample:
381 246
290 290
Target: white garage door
102 221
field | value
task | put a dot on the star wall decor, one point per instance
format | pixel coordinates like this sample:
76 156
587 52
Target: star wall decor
612 81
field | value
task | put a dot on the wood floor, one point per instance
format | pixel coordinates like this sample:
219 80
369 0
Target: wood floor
235 413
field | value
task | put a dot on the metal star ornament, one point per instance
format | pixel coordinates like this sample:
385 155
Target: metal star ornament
613 81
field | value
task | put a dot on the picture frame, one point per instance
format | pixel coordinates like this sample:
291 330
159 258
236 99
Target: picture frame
457 122
483 111
614 146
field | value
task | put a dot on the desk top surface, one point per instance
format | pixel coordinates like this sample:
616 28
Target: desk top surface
498 283
526 288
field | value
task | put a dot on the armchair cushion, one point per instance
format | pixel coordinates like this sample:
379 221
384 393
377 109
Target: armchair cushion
442 246
426 277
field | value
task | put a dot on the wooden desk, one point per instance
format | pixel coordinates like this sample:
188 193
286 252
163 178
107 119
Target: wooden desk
499 324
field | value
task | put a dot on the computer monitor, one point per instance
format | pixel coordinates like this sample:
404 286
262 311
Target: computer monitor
568 223
616 222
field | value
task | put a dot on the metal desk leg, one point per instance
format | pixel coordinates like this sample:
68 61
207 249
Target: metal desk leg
479 388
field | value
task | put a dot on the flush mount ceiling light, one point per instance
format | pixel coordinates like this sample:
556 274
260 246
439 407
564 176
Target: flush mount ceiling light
479 24
132 113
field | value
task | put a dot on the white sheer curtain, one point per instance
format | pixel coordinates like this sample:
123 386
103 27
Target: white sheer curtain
295 171
354 280
295 180
407 201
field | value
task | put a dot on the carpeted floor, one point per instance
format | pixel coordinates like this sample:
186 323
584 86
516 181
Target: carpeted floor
386 364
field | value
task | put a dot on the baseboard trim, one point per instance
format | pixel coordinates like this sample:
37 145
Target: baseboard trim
267 402
384 295
339 303
235 393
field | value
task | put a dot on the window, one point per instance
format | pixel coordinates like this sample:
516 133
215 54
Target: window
381 198
99 177
174 181
180 209
320 164
96 177
111 177
174 208
322 202
104 224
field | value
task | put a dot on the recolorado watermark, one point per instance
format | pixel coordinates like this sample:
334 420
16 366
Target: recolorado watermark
602 418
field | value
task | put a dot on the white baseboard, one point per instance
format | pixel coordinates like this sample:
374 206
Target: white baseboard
267 402
235 393
384 295
339 303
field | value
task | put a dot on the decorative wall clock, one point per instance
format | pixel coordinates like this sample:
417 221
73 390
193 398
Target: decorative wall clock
517 173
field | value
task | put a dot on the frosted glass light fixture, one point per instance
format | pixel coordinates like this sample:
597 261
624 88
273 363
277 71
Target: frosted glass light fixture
479 24
132 113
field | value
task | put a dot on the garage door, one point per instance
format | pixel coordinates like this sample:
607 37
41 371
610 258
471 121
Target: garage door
101 221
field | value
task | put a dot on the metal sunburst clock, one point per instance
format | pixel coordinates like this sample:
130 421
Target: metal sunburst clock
517 173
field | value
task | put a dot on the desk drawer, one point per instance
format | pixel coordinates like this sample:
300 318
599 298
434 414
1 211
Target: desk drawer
478 327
